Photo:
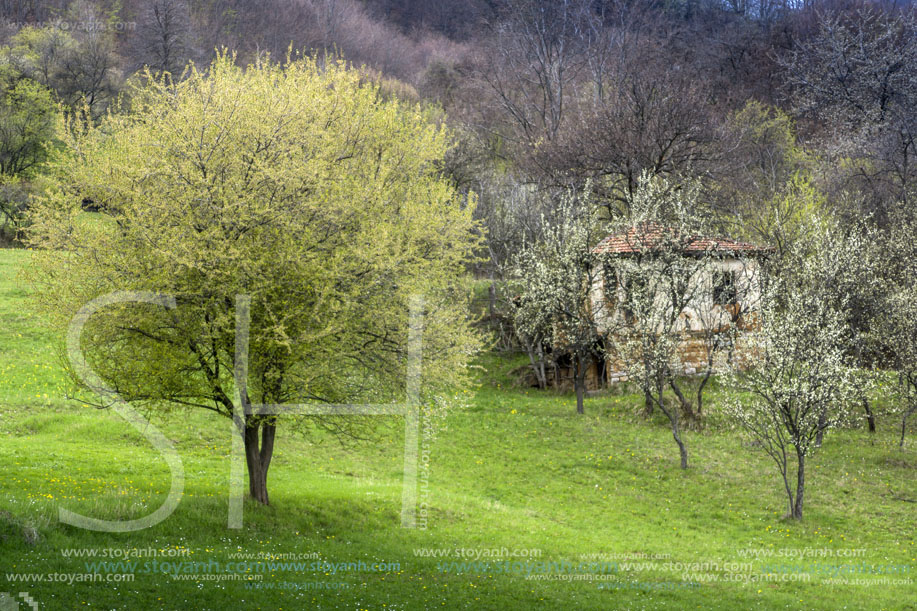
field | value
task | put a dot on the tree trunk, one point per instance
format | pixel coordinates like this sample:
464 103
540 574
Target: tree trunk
904 425
682 450
870 417
534 349
258 460
491 298
672 414
686 407
647 403
542 376
788 488
822 425
579 384
700 392
800 485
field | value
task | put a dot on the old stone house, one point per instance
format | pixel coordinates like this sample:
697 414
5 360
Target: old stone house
724 300
724 295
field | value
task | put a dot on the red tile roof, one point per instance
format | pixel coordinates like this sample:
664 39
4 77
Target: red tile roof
644 238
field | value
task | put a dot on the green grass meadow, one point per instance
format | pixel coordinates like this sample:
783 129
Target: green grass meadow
584 512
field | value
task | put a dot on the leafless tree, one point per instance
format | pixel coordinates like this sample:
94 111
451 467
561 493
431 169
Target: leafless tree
858 76
656 122
534 56
164 36
90 70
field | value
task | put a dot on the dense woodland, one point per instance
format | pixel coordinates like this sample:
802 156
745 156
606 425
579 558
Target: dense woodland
758 101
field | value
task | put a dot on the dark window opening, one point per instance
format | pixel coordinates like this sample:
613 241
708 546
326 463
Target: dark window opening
610 286
725 291
636 300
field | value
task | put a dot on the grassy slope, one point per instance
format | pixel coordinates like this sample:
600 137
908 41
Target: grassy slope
513 469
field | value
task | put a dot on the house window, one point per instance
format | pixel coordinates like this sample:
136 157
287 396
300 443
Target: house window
724 288
610 285
636 295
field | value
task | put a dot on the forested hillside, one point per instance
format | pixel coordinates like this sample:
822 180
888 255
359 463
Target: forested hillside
756 100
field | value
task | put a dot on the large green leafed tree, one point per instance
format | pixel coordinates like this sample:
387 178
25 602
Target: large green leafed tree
297 184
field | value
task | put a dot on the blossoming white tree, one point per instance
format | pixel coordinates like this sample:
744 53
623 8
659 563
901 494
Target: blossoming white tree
555 277
897 329
652 289
903 325
802 380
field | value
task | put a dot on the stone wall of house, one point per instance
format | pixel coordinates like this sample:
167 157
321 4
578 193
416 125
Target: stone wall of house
562 377
702 313
693 353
